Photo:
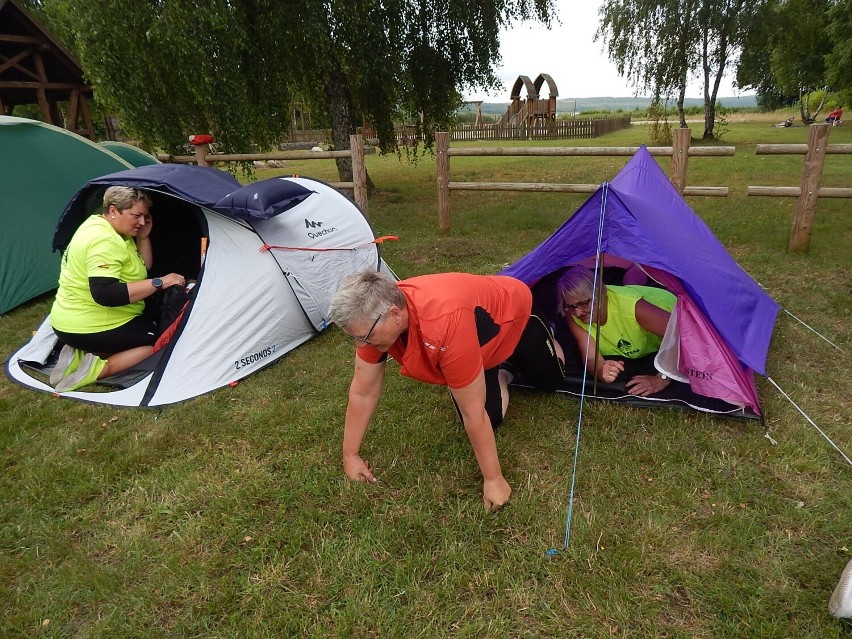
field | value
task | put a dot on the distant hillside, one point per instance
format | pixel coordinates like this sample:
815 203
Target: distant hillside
568 105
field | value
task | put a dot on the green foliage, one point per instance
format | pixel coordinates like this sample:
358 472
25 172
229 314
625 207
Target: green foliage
232 67
30 111
799 45
184 67
839 61
795 49
659 127
771 99
468 116
816 100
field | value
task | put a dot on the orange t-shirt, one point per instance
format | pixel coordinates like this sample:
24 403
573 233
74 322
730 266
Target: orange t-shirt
458 325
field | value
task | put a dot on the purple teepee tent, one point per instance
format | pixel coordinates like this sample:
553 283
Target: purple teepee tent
724 318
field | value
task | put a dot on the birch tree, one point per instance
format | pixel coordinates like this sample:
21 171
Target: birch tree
658 44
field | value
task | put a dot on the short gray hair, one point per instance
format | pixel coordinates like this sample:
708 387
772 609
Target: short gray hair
576 282
364 295
124 197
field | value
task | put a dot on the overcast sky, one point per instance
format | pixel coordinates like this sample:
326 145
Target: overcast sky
570 55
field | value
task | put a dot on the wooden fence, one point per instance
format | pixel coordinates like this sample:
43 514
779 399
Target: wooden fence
203 157
406 134
807 193
542 130
679 153
317 136
809 189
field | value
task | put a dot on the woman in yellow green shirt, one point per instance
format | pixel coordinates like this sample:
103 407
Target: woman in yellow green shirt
632 320
103 282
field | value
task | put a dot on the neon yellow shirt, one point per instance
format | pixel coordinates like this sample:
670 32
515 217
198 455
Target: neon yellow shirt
621 334
96 250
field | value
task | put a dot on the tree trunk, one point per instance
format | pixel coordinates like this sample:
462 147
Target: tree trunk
342 121
805 105
683 55
681 94
342 116
709 105
710 96
803 111
709 134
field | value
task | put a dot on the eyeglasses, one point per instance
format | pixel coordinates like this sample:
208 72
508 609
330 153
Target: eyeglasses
569 308
366 338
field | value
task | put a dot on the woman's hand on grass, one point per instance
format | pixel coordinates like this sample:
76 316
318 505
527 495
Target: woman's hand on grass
357 469
495 493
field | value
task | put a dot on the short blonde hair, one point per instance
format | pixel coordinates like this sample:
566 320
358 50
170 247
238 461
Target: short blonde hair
364 295
124 197
576 282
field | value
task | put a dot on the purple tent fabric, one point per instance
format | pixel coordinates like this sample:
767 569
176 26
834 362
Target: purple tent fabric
647 221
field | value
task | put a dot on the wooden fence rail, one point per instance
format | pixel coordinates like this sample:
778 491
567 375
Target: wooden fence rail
809 191
679 152
356 152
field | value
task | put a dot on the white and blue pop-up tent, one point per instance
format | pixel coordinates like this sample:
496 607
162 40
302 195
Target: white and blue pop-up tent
267 259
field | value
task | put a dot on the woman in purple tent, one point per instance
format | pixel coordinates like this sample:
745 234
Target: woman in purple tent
632 321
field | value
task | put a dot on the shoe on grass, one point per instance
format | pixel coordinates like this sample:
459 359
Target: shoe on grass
87 372
69 360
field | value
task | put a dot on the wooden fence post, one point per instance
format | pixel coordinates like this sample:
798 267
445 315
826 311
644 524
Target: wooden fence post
680 157
359 173
201 151
442 143
800 234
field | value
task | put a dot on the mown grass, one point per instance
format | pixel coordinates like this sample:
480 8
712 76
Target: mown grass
228 516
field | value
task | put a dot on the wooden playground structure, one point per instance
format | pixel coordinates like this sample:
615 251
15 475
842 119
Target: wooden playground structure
532 111
532 116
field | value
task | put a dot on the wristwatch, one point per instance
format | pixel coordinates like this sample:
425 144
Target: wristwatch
157 282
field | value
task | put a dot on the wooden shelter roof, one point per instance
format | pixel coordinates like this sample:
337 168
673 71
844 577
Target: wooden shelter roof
36 69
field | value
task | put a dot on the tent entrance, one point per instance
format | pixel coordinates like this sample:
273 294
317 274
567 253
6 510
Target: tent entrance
179 242
176 238
677 394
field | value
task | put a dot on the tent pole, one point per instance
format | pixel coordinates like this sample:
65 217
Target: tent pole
599 286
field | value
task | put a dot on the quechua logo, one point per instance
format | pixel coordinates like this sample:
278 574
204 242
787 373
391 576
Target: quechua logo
314 234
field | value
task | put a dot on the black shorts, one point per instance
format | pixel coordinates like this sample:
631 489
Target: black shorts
140 331
535 356
534 359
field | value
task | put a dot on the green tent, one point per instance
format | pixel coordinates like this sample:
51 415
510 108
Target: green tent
41 168
136 156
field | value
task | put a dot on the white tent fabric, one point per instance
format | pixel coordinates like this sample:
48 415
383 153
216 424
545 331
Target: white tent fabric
336 242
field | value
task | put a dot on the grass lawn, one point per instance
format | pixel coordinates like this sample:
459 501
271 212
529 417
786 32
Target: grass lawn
228 516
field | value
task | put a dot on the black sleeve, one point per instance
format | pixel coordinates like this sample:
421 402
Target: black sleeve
109 291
